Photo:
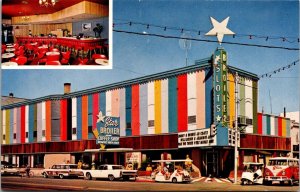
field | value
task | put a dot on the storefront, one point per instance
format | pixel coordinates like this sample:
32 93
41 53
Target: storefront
185 111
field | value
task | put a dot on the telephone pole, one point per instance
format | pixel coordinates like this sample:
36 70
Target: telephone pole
236 128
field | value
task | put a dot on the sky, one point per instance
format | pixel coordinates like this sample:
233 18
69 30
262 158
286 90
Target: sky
136 56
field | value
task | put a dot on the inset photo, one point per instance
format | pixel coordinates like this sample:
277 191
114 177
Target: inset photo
55 34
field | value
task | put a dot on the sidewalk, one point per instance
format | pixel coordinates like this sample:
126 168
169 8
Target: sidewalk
144 179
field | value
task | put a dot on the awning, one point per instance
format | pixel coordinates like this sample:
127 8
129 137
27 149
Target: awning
264 152
108 150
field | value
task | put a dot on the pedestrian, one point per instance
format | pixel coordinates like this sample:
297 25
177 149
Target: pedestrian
79 164
27 170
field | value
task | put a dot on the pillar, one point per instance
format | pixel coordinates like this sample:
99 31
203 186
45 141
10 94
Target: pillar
31 160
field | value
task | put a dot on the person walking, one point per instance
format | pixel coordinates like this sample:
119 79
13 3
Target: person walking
27 171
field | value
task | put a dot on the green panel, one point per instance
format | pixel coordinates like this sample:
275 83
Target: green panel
7 126
242 96
254 97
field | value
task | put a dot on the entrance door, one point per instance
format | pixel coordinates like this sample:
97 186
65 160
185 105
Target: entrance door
212 163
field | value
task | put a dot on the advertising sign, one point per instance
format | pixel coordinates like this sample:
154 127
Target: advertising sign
109 130
196 138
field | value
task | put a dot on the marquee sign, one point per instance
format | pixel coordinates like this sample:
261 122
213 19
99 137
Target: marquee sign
220 87
196 138
109 130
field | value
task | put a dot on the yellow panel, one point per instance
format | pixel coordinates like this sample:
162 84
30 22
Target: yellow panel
231 99
283 127
157 106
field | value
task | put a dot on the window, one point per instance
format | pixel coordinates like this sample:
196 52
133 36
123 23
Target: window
15 135
105 168
44 133
26 134
101 168
128 125
151 123
117 167
191 119
249 121
90 129
3 137
35 134
74 130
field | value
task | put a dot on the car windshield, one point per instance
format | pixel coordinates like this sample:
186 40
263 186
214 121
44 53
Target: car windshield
117 167
73 166
278 162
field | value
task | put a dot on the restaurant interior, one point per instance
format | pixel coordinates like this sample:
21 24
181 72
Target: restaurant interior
55 32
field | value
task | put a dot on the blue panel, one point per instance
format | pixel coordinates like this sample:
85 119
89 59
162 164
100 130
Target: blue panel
31 123
268 124
172 105
264 124
11 126
90 116
79 118
222 136
143 109
128 110
103 103
208 97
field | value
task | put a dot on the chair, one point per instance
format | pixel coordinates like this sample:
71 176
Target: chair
21 60
98 56
41 57
53 57
53 63
65 57
20 51
83 61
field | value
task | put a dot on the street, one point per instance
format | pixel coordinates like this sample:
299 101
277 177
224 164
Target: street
39 183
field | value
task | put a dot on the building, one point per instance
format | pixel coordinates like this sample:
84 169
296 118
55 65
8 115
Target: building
190 110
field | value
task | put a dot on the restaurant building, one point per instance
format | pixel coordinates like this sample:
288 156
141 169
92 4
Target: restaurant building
171 114
51 32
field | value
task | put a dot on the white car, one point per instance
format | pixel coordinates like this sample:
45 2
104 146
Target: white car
110 172
62 171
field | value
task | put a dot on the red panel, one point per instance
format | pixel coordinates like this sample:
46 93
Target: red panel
135 114
22 124
63 120
259 123
182 102
95 109
279 126
249 141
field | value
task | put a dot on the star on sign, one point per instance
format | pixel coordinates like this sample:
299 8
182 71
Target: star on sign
101 117
217 59
220 29
218 118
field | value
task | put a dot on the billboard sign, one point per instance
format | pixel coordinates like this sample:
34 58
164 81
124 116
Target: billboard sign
109 130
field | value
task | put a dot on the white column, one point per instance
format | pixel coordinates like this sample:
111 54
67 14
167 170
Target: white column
108 103
192 99
31 160
151 129
74 117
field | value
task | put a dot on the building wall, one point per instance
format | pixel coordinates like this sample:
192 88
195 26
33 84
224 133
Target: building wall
273 125
162 105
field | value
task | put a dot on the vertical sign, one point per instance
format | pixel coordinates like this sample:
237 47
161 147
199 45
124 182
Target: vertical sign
109 130
220 87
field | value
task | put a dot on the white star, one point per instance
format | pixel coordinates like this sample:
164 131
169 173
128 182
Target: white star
217 59
101 117
218 118
220 29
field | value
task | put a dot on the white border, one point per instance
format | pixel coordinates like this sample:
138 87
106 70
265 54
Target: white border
110 62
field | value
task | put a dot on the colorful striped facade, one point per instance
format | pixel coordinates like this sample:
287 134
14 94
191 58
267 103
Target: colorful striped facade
155 105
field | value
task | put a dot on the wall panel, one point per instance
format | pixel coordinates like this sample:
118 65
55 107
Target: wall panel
192 100
151 113
200 92
122 113
182 102
135 115
157 106
164 106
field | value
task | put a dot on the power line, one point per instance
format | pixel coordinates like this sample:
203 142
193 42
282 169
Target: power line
199 32
269 74
203 40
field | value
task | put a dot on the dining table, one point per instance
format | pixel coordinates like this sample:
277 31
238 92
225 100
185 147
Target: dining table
101 61
10 63
10 49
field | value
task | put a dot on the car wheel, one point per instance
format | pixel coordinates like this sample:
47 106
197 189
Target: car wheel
45 175
111 177
243 182
174 180
61 176
88 176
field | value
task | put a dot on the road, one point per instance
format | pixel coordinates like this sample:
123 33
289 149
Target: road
39 183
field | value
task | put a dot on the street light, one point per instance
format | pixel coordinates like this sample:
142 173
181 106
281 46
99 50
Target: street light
236 128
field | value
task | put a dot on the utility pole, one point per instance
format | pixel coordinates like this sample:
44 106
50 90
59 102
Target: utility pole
236 128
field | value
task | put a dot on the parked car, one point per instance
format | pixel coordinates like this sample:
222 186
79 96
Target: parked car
9 169
62 171
252 173
110 172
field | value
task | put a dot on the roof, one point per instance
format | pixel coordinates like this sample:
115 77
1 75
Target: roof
7 100
199 64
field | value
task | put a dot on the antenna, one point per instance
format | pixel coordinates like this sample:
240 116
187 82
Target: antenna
270 100
185 44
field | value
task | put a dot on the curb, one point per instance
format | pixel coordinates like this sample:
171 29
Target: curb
144 180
